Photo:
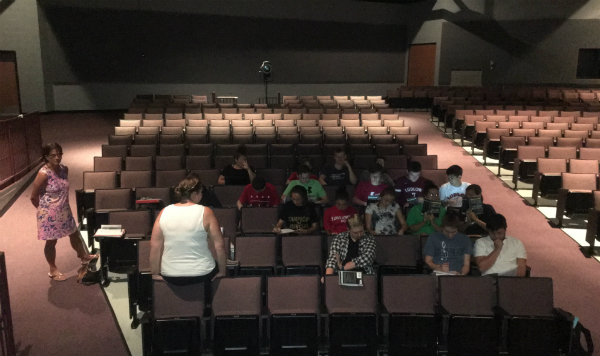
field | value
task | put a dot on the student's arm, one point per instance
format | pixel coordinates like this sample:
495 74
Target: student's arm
286 192
521 267
312 229
355 199
41 180
433 266
403 226
466 265
351 174
369 224
486 262
334 251
211 225
251 174
327 221
322 179
157 241
366 256
323 198
221 180
239 204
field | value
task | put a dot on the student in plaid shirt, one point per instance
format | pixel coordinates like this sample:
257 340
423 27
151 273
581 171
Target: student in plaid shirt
352 250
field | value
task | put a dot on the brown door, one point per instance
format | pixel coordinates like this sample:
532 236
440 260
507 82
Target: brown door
9 84
421 65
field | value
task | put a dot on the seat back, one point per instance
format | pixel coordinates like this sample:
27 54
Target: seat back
293 294
256 251
589 153
409 294
164 194
135 223
108 164
342 299
511 142
494 134
171 301
575 166
236 296
427 162
569 142
579 181
393 250
257 220
551 165
170 178
113 199
437 176
303 250
99 180
467 295
136 179
562 152
526 296
541 141
227 219
228 195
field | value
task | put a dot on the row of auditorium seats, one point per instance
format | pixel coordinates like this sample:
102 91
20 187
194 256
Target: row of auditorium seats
261 116
331 108
418 315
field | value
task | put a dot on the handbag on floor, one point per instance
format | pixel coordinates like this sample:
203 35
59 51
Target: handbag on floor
575 347
89 274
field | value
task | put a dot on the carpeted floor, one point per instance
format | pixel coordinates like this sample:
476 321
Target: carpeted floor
550 252
58 318
64 318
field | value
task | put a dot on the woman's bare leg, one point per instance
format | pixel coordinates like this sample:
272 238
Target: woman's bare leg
77 244
50 253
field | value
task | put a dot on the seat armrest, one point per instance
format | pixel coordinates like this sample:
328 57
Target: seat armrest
561 204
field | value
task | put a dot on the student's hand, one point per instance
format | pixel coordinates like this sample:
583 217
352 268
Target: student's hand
301 231
446 267
339 262
406 205
498 243
219 275
244 164
428 217
276 230
157 277
420 200
471 215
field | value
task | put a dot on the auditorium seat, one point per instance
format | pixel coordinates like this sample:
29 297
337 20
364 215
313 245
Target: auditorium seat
281 162
228 195
412 322
205 149
130 123
169 163
492 141
172 149
352 317
228 222
576 194
402 140
414 150
170 178
383 139
236 315
256 220
143 139
360 150
358 138
256 255
508 149
567 153
387 149
427 162
136 179
108 164
293 305
171 139
164 194
469 325
547 177
437 176
288 138
126 131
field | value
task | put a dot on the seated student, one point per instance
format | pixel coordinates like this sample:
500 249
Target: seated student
334 219
338 173
298 214
385 217
316 193
451 193
476 224
410 186
258 194
498 253
366 176
449 251
367 192
424 224
353 250
302 161
239 173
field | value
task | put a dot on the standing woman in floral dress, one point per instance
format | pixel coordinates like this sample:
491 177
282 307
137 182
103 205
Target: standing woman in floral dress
50 196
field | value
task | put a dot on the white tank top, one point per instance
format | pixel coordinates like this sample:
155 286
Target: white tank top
186 252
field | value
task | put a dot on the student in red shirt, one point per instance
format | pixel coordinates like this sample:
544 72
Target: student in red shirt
334 219
301 161
258 194
370 190
410 189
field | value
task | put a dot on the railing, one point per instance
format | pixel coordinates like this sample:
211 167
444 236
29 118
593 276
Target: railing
7 340
20 146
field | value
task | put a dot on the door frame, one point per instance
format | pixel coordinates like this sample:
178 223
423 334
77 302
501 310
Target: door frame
11 56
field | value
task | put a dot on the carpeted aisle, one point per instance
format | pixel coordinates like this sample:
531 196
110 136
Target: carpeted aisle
551 253
58 318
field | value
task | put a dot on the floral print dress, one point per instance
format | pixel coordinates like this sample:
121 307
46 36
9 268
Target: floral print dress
54 216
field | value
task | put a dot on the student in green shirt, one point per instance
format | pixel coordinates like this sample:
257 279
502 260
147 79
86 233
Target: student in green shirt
316 193
424 224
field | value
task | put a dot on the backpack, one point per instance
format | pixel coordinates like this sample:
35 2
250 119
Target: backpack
575 346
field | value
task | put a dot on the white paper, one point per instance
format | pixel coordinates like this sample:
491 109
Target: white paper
287 231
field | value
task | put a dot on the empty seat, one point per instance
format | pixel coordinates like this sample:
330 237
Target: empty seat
228 221
576 194
410 302
427 162
547 178
526 162
469 326
352 313
228 195
172 149
168 163
508 150
108 164
258 220
236 311
293 304
205 149
169 178
171 139
302 254
256 255
136 179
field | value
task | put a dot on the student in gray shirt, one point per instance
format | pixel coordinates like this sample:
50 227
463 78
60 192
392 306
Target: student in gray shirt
449 251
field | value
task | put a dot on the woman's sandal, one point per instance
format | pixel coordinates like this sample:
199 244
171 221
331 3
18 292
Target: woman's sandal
57 277
92 260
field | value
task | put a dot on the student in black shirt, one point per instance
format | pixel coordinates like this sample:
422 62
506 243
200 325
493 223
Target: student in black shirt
476 224
297 214
239 173
338 173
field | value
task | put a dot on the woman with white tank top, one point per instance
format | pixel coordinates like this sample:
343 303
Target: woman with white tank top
182 239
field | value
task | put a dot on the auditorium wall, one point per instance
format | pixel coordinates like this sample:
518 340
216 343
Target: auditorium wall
19 32
98 58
